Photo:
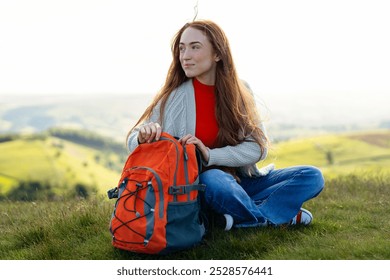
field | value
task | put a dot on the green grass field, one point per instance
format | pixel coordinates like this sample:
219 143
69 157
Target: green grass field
352 221
351 215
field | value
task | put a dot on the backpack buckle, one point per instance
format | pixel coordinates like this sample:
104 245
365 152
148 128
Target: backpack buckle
113 193
174 190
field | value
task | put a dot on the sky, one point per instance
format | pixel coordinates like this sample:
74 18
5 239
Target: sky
123 46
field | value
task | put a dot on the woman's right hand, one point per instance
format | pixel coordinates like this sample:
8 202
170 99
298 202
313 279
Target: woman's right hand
149 132
190 139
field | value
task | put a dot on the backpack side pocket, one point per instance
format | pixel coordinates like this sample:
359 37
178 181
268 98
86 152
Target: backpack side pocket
184 228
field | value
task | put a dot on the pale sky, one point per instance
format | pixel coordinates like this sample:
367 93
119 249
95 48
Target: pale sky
123 46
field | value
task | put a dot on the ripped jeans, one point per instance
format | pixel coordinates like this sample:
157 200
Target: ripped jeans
275 198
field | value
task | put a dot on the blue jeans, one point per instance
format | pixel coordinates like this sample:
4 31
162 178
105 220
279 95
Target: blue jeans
275 198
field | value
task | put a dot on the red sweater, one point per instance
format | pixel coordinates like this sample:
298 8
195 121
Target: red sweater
206 128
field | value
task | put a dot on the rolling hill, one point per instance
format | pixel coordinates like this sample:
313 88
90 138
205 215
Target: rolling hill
64 160
60 164
336 153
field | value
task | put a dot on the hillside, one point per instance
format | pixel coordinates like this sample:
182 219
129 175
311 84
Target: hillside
336 153
61 165
64 162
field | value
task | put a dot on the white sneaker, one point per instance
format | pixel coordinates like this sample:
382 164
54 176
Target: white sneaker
229 222
304 217
224 221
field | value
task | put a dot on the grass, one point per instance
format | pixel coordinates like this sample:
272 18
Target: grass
352 222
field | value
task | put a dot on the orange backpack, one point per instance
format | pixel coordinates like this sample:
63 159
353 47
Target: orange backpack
158 209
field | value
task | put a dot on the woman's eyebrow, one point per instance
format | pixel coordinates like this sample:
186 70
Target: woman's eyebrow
191 43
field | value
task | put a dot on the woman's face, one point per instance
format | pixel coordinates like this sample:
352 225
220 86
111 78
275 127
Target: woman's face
197 56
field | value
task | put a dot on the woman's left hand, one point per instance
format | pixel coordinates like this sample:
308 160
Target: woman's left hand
190 139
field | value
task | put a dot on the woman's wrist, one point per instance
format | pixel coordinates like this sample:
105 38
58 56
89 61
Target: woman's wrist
205 154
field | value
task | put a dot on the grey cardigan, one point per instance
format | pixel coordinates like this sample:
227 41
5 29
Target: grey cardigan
179 120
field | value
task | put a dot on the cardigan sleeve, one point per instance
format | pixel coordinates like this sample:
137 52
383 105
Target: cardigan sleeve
243 154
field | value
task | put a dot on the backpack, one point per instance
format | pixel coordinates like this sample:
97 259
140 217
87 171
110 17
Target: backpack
157 210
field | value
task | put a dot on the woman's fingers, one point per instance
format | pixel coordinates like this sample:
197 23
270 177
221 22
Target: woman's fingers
158 131
149 132
190 139
184 139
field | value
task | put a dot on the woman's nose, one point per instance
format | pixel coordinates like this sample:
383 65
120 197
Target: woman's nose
186 55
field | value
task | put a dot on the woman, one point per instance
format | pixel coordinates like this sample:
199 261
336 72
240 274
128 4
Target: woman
203 102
